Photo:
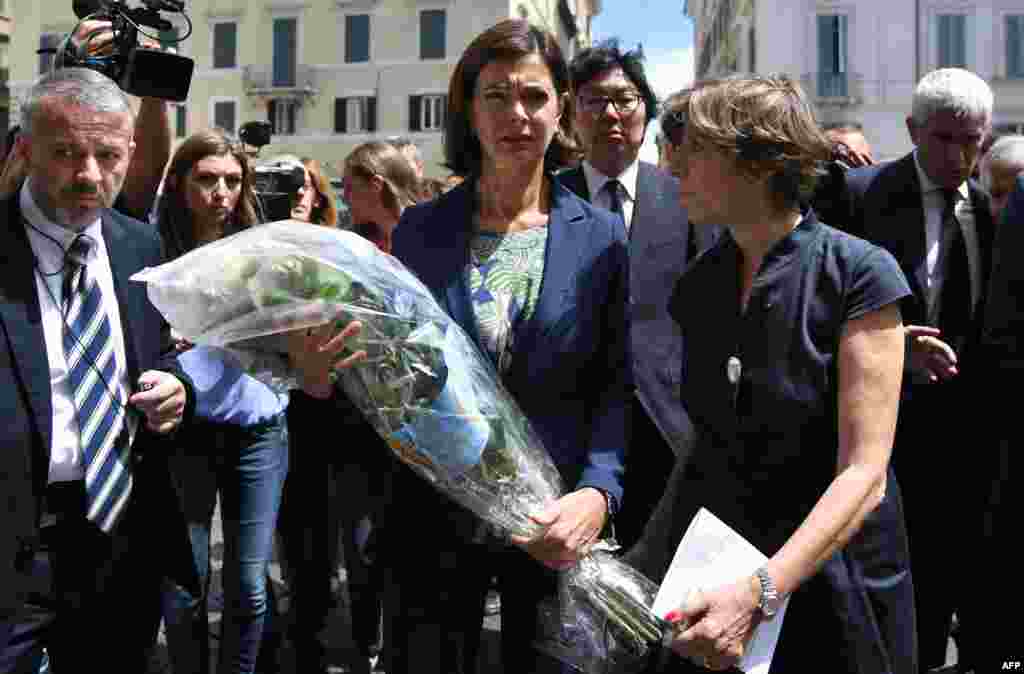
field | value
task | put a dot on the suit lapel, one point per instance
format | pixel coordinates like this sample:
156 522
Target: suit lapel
566 244
21 321
454 255
576 182
904 200
653 198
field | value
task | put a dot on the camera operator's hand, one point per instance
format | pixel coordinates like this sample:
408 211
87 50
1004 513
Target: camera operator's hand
97 37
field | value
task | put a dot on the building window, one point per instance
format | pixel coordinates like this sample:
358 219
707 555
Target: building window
48 44
286 47
180 121
832 55
432 33
225 44
952 39
1015 46
357 38
283 116
355 114
753 50
224 115
426 113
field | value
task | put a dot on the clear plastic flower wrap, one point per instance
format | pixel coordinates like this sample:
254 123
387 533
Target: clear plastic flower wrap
424 386
602 621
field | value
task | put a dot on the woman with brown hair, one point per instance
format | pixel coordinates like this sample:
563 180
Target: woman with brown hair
539 280
793 362
238 446
208 193
380 183
315 200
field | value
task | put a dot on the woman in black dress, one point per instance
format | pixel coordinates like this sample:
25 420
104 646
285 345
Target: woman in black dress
794 357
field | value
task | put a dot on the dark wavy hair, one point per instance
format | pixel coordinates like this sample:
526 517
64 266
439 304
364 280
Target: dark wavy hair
175 221
506 41
604 56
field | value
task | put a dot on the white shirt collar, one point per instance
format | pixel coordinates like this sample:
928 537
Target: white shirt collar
35 217
928 186
596 179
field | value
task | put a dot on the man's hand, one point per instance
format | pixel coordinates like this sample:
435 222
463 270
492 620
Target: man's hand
161 398
928 355
573 524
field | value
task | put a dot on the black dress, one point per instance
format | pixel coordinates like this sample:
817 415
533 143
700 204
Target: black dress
768 444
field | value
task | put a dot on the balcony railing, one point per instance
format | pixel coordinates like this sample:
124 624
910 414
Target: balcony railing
262 79
838 89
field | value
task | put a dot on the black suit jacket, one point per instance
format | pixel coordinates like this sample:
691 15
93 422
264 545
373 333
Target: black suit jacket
884 207
658 242
1003 329
25 400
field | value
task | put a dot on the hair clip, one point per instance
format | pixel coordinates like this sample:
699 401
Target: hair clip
753 149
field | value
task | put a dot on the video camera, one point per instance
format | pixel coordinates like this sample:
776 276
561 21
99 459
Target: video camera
277 182
138 70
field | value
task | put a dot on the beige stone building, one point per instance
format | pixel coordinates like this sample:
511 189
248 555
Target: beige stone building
860 59
6 26
328 74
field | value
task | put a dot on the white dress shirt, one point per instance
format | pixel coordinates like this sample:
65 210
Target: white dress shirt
66 456
599 195
934 203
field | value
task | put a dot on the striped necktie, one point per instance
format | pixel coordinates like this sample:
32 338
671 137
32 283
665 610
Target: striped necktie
95 377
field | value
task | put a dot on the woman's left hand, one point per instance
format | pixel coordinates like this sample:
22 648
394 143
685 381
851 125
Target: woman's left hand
720 624
573 524
316 352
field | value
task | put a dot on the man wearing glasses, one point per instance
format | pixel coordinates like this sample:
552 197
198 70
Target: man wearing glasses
614 104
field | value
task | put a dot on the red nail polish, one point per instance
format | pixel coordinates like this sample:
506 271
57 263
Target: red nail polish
674 616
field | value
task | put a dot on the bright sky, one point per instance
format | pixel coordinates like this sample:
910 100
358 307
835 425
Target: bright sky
667 38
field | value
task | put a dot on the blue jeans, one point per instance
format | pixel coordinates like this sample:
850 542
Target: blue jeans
247 467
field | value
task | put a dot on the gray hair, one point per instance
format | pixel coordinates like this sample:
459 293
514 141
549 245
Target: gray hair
1007 151
77 86
952 90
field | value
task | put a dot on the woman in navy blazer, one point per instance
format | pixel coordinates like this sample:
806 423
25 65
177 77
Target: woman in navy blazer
552 317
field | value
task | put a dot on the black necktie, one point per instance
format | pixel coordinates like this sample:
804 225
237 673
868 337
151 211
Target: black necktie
612 187
955 308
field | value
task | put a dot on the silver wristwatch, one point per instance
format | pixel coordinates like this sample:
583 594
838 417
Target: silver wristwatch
769 602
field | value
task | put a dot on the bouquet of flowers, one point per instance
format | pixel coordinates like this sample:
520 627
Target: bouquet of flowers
424 385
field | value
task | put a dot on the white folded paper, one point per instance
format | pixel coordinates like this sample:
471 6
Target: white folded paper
710 555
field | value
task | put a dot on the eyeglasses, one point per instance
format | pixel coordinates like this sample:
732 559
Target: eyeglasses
625 103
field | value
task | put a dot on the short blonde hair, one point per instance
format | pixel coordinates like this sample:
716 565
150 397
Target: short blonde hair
380 158
766 123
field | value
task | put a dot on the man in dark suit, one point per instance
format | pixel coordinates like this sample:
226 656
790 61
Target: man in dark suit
926 211
1003 352
90 521
614 104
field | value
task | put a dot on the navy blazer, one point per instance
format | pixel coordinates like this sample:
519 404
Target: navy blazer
571 375
25 397
884 206
658 243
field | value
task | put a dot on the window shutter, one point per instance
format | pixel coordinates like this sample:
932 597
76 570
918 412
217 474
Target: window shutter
414 113
339 116
1015 46
371 114
225 41
292 110
357 38
826 53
